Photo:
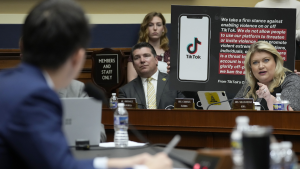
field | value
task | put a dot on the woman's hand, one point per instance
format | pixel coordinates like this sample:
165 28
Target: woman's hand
129 161
263 92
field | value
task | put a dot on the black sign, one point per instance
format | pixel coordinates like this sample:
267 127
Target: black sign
209 44
107 68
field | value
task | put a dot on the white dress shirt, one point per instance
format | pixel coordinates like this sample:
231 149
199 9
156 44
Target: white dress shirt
48 80
145 84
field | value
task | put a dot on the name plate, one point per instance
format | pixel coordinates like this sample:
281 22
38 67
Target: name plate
184 103
130 103
243 104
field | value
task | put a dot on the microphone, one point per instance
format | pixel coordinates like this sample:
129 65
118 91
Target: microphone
95 92
247 90
144 107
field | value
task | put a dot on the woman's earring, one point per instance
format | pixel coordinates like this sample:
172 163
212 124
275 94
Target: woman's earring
250 73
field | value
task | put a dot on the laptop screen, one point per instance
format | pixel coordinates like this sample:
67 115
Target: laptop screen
82 119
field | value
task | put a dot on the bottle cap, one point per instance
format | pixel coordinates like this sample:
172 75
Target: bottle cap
113 94
274 146
242 119
236 135
286 144
121 104
278 94
258 131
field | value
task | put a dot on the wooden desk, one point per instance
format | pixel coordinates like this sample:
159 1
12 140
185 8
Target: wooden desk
210 128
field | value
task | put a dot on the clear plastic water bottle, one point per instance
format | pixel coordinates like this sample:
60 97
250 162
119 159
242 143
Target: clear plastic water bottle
113 101
278 105
275 156
121 126
289 158
236 139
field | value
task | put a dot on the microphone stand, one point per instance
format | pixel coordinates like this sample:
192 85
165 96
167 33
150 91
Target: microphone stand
144 107
217 103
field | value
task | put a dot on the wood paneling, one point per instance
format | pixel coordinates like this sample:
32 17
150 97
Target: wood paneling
10 58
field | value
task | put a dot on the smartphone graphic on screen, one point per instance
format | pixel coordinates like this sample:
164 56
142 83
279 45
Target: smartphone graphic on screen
193 48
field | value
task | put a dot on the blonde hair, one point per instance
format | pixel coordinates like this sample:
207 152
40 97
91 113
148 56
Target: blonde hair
143 34
279 75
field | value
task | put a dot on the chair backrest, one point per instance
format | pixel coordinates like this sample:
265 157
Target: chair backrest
109 70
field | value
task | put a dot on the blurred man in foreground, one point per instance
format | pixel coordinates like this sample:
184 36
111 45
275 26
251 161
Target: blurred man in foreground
55 35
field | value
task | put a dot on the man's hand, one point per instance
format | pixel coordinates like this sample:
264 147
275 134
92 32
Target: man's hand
159 161
140 159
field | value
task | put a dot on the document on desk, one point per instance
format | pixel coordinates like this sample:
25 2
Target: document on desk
130 144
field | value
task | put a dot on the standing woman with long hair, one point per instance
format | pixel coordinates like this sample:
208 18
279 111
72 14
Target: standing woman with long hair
154 31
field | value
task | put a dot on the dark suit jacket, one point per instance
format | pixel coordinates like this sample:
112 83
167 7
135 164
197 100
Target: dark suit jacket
31 123
164 95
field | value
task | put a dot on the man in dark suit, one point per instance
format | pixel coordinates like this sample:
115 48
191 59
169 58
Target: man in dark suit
55 35
151 88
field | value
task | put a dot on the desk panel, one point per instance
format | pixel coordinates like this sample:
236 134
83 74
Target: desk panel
204 128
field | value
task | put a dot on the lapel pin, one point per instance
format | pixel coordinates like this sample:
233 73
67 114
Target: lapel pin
164 79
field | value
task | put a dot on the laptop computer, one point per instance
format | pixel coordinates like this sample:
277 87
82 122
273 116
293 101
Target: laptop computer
82 119
209 97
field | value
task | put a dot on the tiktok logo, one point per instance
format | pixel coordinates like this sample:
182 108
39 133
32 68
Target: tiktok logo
195 46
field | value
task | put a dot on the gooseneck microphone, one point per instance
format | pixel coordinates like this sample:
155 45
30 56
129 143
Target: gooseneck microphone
144 107
98 94
245 93
95 92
